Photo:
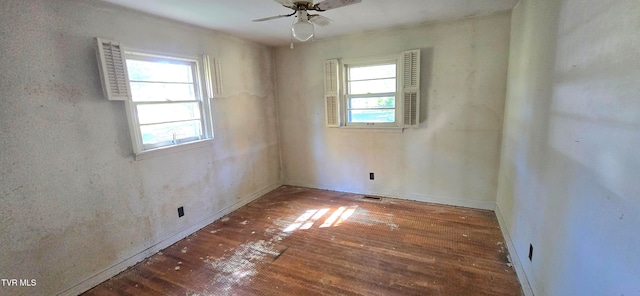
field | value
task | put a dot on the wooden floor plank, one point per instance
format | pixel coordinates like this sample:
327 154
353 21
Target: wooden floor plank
286 243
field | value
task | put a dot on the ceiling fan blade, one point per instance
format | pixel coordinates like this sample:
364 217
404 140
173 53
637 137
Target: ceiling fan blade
271 18
331 4
319 20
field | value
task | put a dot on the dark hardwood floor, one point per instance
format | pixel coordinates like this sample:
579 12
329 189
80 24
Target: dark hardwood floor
300 241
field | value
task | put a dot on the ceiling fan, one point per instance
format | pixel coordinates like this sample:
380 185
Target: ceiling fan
302 29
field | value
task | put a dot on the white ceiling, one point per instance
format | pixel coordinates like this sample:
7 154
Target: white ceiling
235 17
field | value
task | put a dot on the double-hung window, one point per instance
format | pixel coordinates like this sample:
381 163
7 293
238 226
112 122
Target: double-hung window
165 99
163 95
371 93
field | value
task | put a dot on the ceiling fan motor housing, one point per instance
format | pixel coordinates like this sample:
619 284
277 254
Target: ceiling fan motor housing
303 5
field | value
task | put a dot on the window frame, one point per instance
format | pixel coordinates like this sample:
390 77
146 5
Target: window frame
142 151
345 65
409 80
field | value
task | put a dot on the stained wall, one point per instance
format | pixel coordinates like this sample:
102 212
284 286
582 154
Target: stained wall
452 157
74 202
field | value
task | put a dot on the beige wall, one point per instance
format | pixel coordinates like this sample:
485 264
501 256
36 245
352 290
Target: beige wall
451 158
569 175
73 200
74 203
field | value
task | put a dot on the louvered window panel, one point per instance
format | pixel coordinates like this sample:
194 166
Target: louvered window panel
411 68
214 76
331 79
218 78
331 85
411 88
332 111
411 108
111 61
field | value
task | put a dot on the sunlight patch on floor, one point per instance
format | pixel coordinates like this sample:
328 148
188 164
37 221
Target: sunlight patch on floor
310 217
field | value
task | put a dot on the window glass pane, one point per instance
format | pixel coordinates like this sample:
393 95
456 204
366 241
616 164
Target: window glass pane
157 113
168 132
159 71
373 86
384 115
147 92
375 102
372 72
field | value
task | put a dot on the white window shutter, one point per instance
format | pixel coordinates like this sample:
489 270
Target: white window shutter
113 70
411 88
331 93
213 76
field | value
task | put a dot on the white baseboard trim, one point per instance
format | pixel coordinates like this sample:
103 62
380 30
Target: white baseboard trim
444 200
515 259
112 271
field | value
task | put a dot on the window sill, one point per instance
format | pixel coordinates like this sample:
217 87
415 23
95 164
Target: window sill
375 129
171 149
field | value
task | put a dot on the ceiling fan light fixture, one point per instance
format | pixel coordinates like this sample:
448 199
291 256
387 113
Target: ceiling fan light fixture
302 29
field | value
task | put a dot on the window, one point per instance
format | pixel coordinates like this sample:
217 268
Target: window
163 95
380 92
165 100
371 93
